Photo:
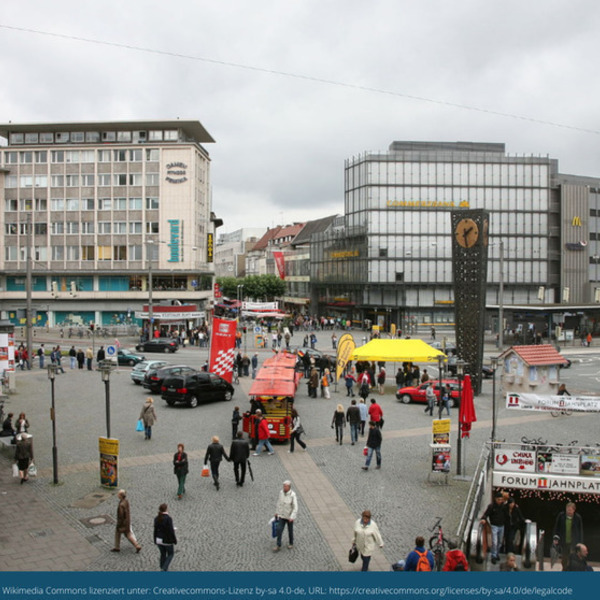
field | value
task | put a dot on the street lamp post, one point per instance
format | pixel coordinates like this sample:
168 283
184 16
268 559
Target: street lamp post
440 359
460 366
51 376
494 410
106 367
501 299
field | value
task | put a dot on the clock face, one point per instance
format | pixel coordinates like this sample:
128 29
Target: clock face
466 233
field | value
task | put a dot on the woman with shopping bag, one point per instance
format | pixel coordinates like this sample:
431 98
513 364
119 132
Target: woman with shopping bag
24 455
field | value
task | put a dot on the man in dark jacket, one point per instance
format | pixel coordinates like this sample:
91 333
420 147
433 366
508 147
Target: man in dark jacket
353 418
569 528
215 453
373 445
496 513
578 559
239 454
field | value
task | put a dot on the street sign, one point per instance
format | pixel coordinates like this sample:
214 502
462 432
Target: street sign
111 351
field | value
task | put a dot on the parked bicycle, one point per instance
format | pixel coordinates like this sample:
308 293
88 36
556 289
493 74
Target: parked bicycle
438 544
560 413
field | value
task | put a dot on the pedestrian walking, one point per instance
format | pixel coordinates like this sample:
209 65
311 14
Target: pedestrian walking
419 559
286 513
41 355
431 399
100 355
72 357
80 358
297 431
569 528
349 380
263 434
496 513
235 421
58 359
313 383
180 468
124 524
353 419
325 385
148 416
254 363
376 413
381 381
89 357
339 422
24 455
239 453
364 415
373 445
455 559
164 536
366 538
215 453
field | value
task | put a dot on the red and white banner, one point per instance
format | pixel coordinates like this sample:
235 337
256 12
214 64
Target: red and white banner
222 348
279 261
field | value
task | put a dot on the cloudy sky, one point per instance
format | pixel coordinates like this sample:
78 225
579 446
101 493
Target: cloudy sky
290 89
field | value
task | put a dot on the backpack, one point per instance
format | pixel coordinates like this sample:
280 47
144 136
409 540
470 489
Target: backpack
423 562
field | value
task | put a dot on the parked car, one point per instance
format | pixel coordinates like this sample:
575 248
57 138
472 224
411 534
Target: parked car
139 371
449 349
126 357
195 388
486 371
417 393
154 377
158 345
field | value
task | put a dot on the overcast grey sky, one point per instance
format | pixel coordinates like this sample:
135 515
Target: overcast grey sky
281 141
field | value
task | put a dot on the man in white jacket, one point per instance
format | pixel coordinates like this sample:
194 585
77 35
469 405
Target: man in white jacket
286 512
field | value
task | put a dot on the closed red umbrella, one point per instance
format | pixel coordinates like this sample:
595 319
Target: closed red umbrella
466 414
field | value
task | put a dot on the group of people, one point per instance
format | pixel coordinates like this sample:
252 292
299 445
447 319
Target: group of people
78 358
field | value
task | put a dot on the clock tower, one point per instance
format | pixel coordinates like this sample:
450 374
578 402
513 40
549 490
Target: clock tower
469 264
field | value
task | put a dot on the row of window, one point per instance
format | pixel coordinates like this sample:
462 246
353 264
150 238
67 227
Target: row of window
73 227
42 253
26 157
83 180
94 137
76 204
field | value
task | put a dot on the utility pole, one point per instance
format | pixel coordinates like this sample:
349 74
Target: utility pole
501 300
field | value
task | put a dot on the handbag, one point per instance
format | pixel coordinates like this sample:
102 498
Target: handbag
15 470
274 527
366 451
205 471
353 554
140 425
32 470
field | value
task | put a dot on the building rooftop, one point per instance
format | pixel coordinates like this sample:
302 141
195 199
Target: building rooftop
537 355
192 129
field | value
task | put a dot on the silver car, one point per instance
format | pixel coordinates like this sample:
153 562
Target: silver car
138 372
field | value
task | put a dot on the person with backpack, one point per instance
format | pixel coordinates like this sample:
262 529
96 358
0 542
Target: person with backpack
366 538
455 559
419 559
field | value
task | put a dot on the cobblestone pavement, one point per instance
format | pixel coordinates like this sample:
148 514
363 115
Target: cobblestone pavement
226 530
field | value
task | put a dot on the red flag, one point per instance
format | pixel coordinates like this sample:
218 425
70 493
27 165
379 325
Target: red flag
222 348
279 261
466 413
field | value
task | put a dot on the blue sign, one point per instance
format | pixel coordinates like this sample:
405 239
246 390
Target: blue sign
111 351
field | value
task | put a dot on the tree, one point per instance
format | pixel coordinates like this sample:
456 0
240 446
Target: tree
262 288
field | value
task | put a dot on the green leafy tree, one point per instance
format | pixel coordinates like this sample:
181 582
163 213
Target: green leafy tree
262 288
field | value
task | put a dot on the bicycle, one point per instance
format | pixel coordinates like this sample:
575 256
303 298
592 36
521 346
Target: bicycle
559 413
438 544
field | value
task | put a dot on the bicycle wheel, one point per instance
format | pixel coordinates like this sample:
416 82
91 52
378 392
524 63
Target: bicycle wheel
567 413
555 413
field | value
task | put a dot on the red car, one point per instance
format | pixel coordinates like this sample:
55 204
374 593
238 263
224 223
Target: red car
417 393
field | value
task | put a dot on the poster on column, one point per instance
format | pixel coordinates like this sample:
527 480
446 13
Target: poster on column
222 348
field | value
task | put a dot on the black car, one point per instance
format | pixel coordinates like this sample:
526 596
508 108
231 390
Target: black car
154 378
158 345
194 388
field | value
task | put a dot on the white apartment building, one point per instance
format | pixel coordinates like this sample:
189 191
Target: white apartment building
108 204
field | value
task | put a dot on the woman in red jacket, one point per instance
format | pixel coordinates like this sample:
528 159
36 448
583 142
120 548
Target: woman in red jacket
455 559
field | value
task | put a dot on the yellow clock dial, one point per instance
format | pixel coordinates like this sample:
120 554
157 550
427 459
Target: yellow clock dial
466 233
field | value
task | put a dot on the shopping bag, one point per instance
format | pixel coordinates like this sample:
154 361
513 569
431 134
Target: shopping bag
15 470
32 470
140 425
274 527
205 471
366 451
353 554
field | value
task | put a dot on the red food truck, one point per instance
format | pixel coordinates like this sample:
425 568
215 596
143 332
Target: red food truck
273 392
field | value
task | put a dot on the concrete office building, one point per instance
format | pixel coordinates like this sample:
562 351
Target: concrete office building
107 202
391 263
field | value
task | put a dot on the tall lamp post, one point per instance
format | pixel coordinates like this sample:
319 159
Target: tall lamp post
440 360
494 410
501 299
106 367
51 376
460 370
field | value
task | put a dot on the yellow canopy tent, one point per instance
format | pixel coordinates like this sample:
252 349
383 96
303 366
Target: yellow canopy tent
397 351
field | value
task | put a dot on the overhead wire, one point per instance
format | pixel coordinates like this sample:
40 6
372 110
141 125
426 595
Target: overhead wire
299 76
